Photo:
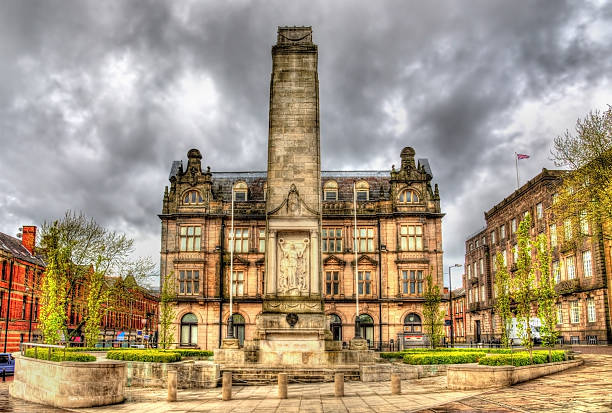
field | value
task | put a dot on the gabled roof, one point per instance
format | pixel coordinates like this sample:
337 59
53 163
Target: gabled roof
14 247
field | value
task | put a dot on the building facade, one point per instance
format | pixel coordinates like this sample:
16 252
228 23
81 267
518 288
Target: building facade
458 317
20 273
578 264
398 241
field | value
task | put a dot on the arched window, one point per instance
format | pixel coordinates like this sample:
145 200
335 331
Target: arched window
193 197
363 190
412 323
366 325
330 191
265 191
238 323
189 330
240 191
408 196
336 327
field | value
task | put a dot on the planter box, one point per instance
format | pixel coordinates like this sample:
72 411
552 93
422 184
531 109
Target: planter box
474 376
190 374
382 371
68 383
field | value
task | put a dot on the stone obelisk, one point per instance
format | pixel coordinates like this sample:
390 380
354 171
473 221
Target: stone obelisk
293 321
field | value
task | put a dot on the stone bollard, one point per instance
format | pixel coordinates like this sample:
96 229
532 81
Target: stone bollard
339 384
226 390
282 385
396 383
172 385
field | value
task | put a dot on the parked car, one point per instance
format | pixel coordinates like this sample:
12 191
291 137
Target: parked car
7 363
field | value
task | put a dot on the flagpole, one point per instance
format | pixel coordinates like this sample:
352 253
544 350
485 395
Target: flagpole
357 326
517 172
230 320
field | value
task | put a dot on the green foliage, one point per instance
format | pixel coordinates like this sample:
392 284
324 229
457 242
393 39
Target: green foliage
192 353
155 356
587 187
444 357
524 283
392 355
58 355
433 317
522 358
167 312
87 349
547 296
502 302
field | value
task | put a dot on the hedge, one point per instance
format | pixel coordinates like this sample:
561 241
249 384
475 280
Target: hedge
521 358
392 355
87 349
191 353
445 357
58 355
156 356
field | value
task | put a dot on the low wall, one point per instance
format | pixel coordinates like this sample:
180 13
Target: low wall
190 374
68 384
382 371
473 376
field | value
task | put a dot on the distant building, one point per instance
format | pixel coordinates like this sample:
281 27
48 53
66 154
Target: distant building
578 264
458 316
20 273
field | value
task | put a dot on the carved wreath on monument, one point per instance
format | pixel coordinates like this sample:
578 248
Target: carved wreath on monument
292 279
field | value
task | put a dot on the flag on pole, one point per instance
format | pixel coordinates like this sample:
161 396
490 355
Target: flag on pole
521 156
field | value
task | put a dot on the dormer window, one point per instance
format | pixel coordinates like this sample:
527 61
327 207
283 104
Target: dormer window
240 192
330 191
193 197
408 196
363 191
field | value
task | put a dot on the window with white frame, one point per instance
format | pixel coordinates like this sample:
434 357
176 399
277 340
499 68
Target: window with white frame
553 235
559 313
482 293
574 312
365 282
515 254
586 264
412 282
332 282
505 257
238 284
241 237
189 282
192 197
556 271
365 239
567 229
330 191
469 267
240 191
539 211
262 240
190 238
362 189
477 244
408 196
493 237
570 264
331 239
502 232
411 237
584 223
484 240
481 262
513 225
591 314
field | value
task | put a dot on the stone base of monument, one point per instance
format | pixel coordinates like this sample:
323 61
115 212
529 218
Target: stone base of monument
358 344
227 343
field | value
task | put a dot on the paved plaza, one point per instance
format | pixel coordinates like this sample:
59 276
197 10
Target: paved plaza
587 388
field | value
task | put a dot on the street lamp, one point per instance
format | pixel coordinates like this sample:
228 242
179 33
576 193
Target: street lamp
450 297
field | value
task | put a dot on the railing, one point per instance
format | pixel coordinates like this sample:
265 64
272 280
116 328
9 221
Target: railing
24 346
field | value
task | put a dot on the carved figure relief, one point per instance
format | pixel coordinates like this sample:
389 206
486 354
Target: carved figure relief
293 278
293 204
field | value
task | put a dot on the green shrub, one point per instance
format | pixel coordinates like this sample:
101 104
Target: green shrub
58 355
521 358
444 357
156 356
392 355
457 350
193 353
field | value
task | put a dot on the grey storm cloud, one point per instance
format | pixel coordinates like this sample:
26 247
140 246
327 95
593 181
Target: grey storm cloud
97 98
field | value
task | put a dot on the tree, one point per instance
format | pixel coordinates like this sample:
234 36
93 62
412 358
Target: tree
587 187
547 296
502 304
166 311
433 316
83 253
523 293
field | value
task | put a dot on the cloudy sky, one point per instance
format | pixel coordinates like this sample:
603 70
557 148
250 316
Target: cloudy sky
98 97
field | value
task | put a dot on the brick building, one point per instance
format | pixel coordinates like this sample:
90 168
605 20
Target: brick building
578 258
399 241
20 273
458 317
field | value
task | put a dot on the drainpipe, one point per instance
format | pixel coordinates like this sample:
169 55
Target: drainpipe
221 269
380 328
8 303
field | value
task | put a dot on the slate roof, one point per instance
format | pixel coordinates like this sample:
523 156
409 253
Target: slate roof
14 247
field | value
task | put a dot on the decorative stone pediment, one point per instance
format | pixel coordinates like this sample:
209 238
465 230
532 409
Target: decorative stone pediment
365 260
238 260
293 206
333 260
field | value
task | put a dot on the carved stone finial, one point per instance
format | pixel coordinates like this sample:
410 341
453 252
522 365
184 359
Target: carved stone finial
407 156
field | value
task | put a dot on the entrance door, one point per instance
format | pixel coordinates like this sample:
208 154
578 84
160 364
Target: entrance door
477 331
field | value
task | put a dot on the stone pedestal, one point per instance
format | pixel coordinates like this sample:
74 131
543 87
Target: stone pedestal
228 343
358 344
